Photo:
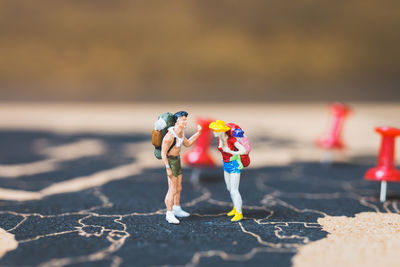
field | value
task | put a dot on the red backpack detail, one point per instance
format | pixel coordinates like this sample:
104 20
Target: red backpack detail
232 140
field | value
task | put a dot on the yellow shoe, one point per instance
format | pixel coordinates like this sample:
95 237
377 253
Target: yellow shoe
232 212
238 217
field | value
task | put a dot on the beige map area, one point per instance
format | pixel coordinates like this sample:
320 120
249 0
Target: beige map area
369 239
301 123
7 242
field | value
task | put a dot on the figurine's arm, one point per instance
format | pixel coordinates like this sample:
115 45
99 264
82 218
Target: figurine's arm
241 149
222 142
166 144
220 145
193 138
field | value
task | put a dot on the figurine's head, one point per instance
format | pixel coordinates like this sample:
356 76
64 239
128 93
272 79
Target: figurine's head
219 128
181 119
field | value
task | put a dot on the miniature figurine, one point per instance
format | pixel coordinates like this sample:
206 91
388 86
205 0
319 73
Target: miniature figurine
235 148
168 137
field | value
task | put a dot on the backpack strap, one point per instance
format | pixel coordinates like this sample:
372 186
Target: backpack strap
178 140
173 144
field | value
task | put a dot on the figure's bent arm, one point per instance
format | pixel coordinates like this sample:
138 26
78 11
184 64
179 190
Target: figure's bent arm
219 143
166 144
193 138
241 149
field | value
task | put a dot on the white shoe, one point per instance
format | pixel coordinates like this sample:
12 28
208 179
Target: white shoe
170 217
178 211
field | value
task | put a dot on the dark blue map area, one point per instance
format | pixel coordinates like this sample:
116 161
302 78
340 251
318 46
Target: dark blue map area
101 204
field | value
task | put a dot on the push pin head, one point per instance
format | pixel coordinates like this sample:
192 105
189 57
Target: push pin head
340 109
385 169
200 156
332 139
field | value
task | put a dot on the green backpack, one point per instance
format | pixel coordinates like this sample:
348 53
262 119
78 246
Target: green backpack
164 121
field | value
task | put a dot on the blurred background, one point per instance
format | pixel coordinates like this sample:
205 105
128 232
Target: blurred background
260 50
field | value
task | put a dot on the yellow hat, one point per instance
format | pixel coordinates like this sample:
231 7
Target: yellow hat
219 126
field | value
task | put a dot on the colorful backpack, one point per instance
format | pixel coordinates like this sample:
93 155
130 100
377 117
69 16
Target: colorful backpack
238 135
161 126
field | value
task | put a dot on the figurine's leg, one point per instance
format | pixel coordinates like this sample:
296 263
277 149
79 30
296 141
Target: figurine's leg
227 177
235 195
178 190
177 209
169 200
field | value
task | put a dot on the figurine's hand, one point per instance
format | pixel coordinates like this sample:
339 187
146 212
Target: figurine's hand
169 172
199 128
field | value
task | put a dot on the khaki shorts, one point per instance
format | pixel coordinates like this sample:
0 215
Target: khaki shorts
175 163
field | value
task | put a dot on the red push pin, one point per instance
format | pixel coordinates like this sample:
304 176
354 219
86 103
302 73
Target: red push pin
333 138
385 171
199 157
